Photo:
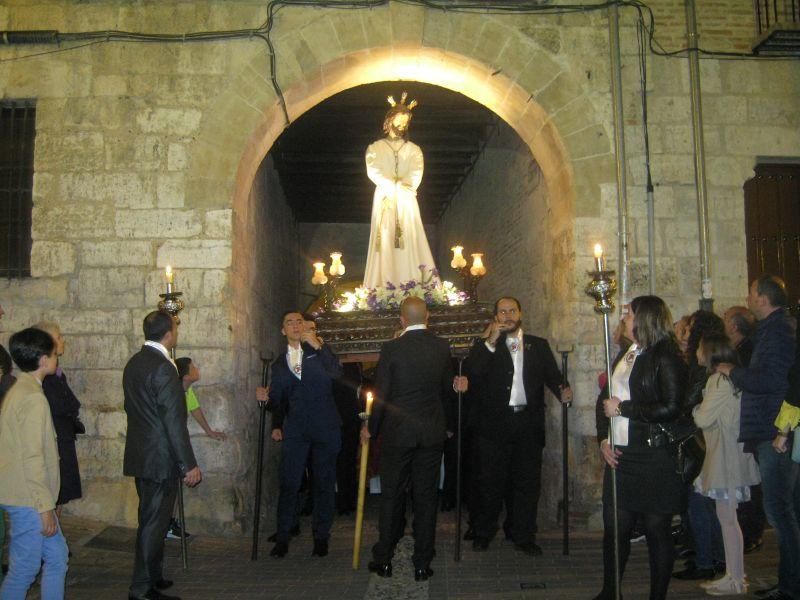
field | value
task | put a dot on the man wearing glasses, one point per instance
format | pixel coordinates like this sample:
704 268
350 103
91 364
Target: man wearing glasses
510 370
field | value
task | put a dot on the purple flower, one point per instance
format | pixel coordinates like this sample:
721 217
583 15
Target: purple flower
422 267
390 286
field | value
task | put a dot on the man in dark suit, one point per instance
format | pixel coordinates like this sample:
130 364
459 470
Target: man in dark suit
414 386
157 448
511 370
305 419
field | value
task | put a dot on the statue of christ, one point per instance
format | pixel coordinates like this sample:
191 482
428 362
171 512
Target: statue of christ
397 241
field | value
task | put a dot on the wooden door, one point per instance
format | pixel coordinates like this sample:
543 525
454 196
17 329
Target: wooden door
772 225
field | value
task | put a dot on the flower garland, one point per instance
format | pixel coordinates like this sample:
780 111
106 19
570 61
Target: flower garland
429 288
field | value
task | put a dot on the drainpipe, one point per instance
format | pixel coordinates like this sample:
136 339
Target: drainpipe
706 292
619 150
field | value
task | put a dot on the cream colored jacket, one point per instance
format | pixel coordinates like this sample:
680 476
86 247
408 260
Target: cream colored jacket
29 473
726 466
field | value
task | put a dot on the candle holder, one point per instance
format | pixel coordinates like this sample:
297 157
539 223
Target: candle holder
470 275
172 303
328 283
602 288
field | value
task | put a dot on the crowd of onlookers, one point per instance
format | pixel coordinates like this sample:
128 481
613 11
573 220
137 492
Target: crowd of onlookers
697 421
726 386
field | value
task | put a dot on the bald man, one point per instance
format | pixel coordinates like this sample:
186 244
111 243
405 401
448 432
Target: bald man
412 413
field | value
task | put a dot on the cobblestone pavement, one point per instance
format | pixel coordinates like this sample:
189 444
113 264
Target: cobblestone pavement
220 568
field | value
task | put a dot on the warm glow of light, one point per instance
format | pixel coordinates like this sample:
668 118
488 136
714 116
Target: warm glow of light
598 257
598 251
169 274
369 403
458 261
477 268
319 277
337 268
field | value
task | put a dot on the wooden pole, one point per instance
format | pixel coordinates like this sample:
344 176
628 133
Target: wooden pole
362 489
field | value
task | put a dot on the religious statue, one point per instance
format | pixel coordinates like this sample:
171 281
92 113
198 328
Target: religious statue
397 242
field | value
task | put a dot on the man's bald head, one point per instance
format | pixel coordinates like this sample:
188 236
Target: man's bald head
413 311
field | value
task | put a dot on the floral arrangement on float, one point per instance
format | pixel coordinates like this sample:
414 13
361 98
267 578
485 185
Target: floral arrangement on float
428 287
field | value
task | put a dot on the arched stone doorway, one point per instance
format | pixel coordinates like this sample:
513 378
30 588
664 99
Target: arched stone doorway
535 126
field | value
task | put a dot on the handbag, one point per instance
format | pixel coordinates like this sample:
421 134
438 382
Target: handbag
688 448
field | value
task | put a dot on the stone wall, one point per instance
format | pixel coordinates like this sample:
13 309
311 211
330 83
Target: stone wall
147 154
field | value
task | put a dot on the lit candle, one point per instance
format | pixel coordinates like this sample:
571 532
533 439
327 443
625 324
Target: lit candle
369 403
169 274
337 268
598 257
477 269
458 262
319 277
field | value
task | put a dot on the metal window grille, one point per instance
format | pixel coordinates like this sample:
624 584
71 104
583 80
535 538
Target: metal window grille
17 132
771 13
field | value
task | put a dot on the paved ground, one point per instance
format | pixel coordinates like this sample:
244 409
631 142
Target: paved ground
221 568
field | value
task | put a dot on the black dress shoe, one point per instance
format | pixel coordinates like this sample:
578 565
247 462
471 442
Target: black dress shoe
480 544
153 594
279 550
294 532
469 535
380 569
423 574
695 574
529 548
766 592
163 584
320 548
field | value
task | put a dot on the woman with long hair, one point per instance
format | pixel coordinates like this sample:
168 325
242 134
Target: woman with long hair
648 388
727 472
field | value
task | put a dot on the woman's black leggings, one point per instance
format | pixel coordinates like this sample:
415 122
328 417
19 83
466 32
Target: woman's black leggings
657 530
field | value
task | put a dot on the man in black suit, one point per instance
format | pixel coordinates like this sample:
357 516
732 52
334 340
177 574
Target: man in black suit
305 420
414 386
157 448
511 370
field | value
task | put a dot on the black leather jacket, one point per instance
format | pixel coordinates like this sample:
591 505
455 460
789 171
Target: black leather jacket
658 391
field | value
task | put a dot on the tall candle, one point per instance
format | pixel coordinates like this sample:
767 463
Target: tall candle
598 257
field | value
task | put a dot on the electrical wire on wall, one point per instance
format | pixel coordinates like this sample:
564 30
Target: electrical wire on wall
77 40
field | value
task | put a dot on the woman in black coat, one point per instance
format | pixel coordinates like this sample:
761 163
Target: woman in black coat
64 408
648 387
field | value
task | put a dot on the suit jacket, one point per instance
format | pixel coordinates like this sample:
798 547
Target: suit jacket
495 373
306 407
157 445
414 391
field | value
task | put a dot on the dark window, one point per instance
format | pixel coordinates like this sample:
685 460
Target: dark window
17 131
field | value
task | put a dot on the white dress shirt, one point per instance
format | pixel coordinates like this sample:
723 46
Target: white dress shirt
163 351
620 387
294 358
515 346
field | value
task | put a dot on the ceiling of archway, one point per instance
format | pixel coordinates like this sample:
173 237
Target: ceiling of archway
320 157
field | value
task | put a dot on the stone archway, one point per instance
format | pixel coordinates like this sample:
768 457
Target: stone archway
506 98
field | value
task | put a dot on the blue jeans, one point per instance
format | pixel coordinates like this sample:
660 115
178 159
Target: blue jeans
780 480
26 553
706 531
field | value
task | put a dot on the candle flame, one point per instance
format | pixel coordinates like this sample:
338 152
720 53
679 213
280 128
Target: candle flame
169 274
598 251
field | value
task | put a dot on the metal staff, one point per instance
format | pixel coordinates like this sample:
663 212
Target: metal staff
565 445
457 545
602 288
362 487
172 303
262 424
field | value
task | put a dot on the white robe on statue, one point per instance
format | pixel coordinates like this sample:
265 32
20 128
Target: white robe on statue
395 253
